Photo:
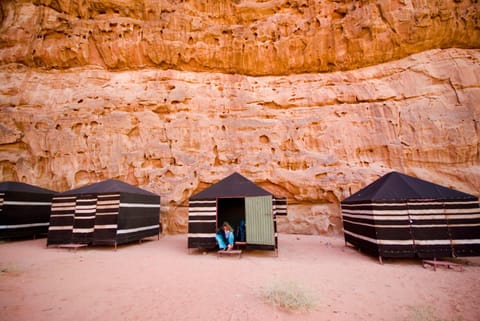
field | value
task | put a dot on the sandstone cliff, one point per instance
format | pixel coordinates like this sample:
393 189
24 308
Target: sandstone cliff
234 36
310 111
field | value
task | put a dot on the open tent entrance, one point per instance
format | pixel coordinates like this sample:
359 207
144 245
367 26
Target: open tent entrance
256 212
231 210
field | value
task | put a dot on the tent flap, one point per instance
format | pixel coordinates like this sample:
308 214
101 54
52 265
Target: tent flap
259 220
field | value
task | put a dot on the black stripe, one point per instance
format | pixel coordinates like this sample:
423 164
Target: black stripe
131 217
204 227
201 242
59 237
203 217
135 236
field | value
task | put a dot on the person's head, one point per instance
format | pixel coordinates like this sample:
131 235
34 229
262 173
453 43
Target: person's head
227 227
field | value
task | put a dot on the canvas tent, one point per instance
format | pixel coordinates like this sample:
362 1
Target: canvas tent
110 212
402 216
233 199
24 210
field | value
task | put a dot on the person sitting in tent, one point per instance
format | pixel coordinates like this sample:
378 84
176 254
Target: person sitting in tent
225 237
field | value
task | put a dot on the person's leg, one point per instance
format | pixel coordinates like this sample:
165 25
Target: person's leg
231 239
220 241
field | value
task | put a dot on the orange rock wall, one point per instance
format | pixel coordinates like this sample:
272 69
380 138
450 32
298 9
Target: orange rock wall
312 100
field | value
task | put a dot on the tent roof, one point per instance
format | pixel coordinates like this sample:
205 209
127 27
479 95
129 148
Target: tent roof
397 186
10 186
234 185
108 186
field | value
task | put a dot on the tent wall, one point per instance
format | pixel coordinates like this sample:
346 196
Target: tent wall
202 223
138 218
424 229
106 219
61 220
464 227
24 214
103 219
279 206
84 219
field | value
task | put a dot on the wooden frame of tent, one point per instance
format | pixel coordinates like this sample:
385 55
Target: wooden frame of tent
233 199
106 213
400 216
24 210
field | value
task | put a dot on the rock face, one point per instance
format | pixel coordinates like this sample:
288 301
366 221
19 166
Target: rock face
172 96
234 36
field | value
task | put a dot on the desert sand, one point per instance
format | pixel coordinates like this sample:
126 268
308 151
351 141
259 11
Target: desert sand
161 280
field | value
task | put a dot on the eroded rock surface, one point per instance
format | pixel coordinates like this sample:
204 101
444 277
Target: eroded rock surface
314 138
274 37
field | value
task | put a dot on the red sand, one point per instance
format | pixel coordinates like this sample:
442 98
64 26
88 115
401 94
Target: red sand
159 280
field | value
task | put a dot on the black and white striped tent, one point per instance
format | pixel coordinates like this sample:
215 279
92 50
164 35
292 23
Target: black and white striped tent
24 210
110 212
402 216
233 199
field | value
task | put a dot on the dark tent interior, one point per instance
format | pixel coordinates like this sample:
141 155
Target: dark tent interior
231 210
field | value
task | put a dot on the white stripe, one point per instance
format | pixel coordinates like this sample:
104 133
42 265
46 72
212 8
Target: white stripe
64 198
107 213
202 221
83 230
201 234
131 230
106 226
433 242
4 227
85 211
139 205
472 241
202 209
86 207
102 207
62 215
84 217
202 214
26 203
59 228
57 209
204 202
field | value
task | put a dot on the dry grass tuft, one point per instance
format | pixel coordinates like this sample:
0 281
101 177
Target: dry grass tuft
289 295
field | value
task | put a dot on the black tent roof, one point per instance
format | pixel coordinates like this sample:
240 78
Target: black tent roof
108 186
234 185
10 186
396 186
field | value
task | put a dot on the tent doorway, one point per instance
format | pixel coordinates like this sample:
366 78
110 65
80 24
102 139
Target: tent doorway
231 210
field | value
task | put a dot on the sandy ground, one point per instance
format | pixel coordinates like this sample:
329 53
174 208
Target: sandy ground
160 280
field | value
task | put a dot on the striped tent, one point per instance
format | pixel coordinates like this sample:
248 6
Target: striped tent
24 210
235 199
110 212
403 216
